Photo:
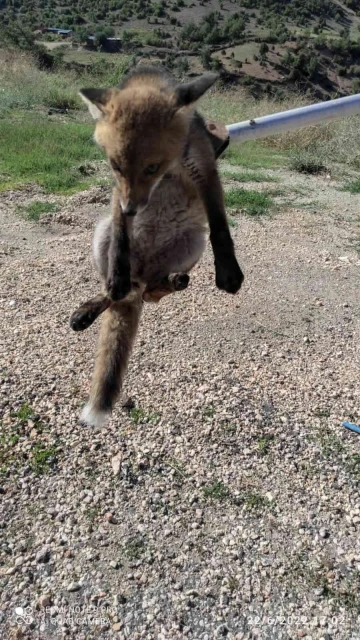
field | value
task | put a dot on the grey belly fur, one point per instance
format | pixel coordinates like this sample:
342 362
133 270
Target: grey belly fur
167 237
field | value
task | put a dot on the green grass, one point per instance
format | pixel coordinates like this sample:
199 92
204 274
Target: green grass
255 501
254 203
139 415
42 457
10 440
134 548
321 413
92 513
248 176
264 444
25 412
34 89
209 411
330 445
353 466
46 153
216 491
36 209
254 155
311 205
352 187
26 87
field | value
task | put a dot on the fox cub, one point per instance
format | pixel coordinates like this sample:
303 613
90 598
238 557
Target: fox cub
167 193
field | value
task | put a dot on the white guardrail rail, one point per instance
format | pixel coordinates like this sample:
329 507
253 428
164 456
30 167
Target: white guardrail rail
295 118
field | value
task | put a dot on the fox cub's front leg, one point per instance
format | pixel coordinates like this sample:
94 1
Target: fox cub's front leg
228 274
200 163
118 283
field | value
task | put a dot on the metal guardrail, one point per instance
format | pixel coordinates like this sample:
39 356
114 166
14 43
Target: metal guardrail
294 118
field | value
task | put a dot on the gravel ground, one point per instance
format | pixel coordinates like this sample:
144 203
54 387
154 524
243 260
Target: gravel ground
223 498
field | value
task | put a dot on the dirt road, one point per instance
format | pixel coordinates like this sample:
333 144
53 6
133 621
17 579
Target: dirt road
225 503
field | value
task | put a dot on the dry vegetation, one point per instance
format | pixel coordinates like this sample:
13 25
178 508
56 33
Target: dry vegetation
52 137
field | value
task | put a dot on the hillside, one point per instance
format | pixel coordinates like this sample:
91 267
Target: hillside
267 45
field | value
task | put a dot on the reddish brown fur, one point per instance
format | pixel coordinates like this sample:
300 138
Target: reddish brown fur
148 123
142 127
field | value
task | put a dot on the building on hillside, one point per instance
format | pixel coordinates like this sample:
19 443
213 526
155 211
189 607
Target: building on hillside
111 45
65 33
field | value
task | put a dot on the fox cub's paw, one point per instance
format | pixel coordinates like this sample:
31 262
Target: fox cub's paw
87 313
229 276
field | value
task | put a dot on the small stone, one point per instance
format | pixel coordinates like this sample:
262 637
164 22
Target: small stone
10 571
222 630
114 564
73 586
44 601
43 555
116 463
323 533
109 517
117 626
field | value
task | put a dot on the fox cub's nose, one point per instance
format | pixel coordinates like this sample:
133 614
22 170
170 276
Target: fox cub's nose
130 209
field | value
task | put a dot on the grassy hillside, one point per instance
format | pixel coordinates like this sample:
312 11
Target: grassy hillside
47 132
270 46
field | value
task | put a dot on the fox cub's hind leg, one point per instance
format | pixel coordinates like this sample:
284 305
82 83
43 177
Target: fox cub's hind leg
90 310
86 314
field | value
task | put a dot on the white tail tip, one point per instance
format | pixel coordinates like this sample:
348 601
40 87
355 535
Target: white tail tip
92 417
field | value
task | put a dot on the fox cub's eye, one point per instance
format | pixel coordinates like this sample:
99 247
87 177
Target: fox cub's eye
151 169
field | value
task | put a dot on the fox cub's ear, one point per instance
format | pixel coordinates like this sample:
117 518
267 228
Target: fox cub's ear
96 100
189 92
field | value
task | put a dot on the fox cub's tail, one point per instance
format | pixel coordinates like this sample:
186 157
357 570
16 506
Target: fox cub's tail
117 334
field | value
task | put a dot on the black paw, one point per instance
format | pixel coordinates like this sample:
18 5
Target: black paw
229 276
81 319
181 281
118 288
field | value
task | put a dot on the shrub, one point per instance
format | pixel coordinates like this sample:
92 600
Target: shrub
307 162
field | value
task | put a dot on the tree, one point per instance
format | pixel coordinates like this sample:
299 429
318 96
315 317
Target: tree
205 58
183 65
14 35
216 64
